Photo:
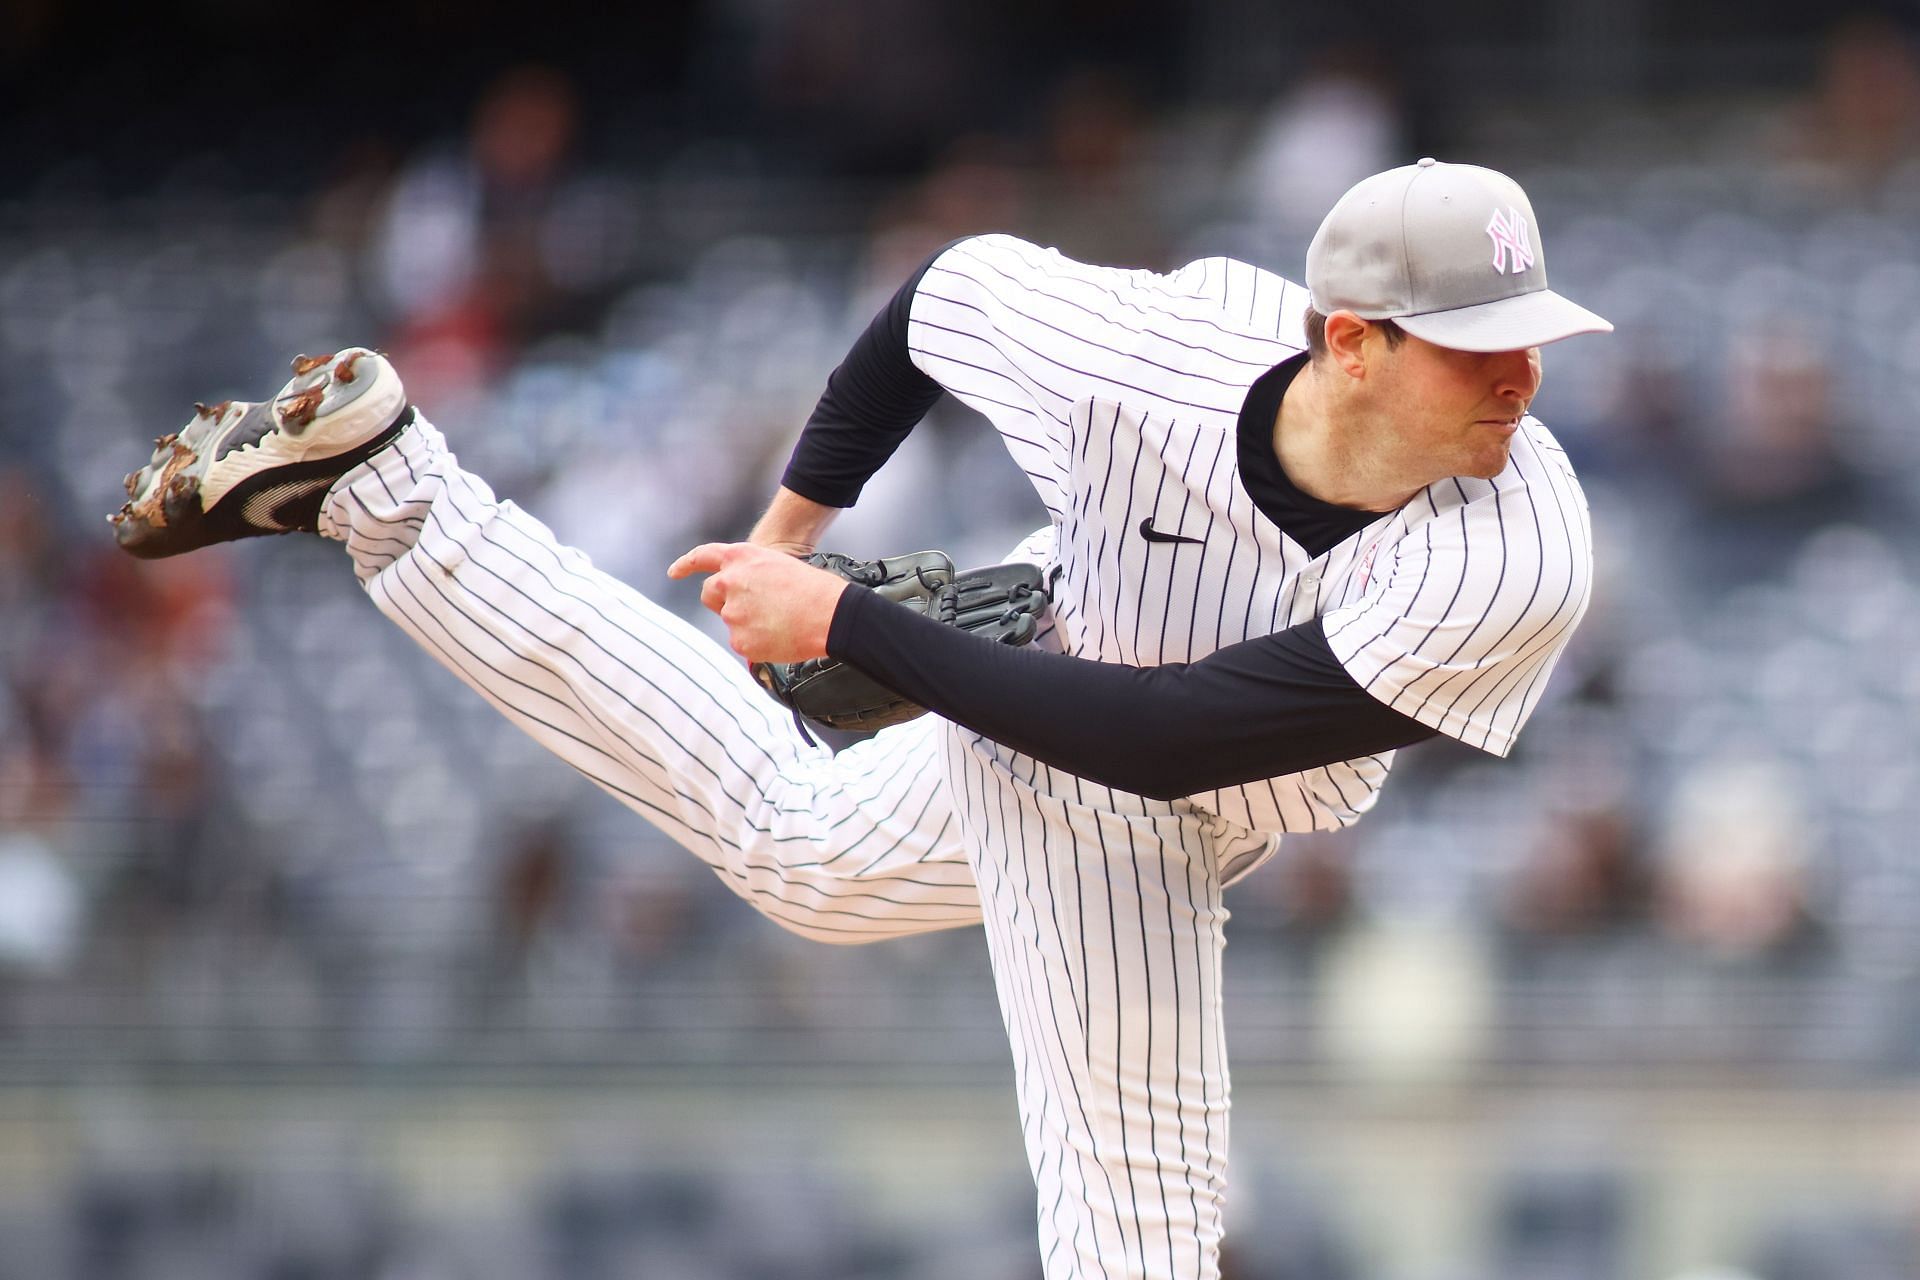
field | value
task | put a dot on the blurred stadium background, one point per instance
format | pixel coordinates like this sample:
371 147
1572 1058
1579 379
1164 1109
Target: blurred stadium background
310 969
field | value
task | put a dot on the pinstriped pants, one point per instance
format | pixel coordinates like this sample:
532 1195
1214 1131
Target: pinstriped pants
1102 910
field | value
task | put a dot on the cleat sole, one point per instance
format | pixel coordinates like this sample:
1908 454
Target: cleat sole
242 469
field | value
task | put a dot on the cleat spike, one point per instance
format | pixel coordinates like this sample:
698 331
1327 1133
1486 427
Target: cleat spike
298 411
304 365
343 372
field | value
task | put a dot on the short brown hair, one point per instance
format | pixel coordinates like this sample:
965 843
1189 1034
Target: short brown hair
1317 333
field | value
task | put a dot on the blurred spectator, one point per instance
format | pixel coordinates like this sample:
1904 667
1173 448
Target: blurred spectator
976 186
1407 1003
1861 121
1305 895
41 904
1584 877
1768 467
28 567
867 84
35 793
1099 188
460 252
1329 129
1736 852
537 894
533 883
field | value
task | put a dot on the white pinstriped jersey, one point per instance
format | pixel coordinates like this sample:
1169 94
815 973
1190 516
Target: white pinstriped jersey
1118 394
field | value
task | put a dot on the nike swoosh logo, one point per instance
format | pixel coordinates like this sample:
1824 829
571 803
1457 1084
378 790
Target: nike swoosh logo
283 506
1152 534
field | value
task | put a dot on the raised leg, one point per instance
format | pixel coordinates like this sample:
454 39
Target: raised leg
845 848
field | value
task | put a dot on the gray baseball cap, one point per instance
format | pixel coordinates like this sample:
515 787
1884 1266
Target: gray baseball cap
1449 252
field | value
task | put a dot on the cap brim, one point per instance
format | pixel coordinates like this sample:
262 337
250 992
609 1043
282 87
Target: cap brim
1525 320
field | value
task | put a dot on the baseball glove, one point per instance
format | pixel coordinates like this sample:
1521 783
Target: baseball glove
1002 602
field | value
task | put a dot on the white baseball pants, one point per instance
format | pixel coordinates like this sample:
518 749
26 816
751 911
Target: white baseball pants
1102 909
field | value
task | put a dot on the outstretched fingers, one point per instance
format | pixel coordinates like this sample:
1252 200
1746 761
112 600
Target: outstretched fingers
776 608
708 557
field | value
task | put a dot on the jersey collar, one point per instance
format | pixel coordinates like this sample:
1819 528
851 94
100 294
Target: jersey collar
1317 526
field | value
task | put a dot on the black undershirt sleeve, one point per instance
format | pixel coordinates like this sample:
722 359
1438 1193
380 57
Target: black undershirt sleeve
873 400
1258 709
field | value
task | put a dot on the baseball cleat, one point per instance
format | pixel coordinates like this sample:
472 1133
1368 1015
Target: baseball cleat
243 470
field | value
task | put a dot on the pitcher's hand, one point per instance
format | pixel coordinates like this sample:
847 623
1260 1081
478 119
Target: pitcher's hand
777 608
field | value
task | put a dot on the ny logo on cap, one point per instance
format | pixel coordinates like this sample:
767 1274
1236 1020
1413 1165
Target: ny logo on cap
1509 233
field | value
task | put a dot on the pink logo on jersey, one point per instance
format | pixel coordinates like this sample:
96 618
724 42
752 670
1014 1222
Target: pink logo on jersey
1366 565
1510 241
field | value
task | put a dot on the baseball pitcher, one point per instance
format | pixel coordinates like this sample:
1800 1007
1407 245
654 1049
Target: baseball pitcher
1291 530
